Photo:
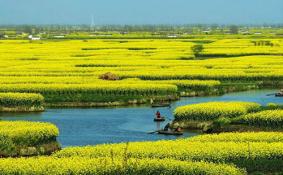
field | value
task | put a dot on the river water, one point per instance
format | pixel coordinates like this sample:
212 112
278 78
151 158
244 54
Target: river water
91 126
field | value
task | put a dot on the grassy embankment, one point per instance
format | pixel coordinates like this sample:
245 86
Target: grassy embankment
27 138
21 102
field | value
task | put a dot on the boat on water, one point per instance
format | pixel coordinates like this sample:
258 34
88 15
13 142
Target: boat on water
279 94
161 119
169 132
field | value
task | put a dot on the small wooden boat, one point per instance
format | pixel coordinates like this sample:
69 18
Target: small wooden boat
161 119
160 105
169 132
279 94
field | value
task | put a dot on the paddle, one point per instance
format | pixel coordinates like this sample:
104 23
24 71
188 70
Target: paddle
169 118
270 94
152 132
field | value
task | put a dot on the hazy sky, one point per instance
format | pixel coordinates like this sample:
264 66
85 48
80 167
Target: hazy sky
141 11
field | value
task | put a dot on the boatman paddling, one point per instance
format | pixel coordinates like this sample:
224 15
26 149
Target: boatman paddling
158 115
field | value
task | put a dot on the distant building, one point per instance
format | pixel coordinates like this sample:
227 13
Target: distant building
100 35
245 32
172 36
59 36
206 31
34 38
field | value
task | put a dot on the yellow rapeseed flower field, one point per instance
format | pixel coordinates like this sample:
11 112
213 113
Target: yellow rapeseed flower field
58 62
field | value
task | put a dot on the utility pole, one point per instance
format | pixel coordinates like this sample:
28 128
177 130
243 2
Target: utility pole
92 25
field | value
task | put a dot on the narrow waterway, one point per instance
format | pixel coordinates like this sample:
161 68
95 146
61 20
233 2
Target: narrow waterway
93 126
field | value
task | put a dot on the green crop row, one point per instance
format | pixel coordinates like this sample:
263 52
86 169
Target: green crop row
231 74
214 110
114 166
240 137
189 84
26 100
104 89
78 92
254 156
268 118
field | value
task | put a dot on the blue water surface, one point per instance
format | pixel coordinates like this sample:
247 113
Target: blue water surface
91 126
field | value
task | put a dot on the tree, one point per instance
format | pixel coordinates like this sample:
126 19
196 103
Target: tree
1 35
234 29
27 29
197 49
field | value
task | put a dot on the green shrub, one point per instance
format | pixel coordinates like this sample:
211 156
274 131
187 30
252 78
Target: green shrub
221 122
273 106
197 49
7 147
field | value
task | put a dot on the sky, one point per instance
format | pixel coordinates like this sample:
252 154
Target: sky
141 12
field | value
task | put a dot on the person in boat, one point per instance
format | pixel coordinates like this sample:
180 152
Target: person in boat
178 129
158 115
167 126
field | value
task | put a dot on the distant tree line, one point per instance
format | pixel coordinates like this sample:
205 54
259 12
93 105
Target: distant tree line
190 29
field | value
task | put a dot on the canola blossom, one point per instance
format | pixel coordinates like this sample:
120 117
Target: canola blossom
163 67
250 155
112 166
240 137
23 133
214 110
268 118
